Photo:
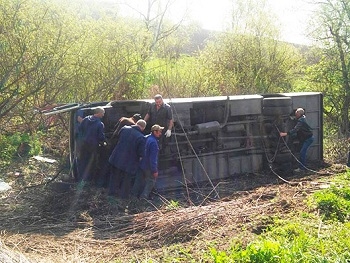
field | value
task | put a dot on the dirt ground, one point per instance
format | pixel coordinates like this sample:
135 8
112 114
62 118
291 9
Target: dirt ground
45 218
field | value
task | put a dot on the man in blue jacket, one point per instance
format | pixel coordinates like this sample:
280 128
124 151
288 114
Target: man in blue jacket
125 158
91 132
303 132
149 162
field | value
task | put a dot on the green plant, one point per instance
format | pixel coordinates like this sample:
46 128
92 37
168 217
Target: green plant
35 142
172 205
333 203
218 256
18 143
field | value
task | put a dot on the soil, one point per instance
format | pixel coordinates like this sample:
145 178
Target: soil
45 217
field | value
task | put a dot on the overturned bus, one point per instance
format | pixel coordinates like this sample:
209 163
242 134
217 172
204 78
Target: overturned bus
215 138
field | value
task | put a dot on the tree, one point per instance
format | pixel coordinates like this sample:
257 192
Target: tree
32 54
165 38
331 72
249 58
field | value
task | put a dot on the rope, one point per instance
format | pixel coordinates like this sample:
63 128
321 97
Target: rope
180 158
173 108
270 161
274 155
290 151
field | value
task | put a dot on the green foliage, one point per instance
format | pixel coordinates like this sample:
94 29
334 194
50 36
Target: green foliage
335 149
334 203
177 253
219 256
326 77
172 205
331 207
290 241
263 251
182 77
35 143
330 70
11 145
247 64
267 251
300 240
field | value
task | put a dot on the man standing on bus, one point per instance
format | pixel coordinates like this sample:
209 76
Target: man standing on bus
160 113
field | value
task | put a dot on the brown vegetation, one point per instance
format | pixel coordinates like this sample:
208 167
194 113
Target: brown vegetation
48 220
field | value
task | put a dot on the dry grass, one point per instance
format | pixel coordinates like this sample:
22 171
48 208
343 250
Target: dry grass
45 222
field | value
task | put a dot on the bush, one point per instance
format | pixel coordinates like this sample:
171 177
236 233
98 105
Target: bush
334 203
17 143
335 149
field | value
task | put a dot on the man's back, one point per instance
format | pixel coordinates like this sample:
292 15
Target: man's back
129 150
92 131
150 160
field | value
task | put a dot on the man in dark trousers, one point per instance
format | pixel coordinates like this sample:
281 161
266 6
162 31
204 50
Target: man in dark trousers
303 132
112 142
92 136
149 162
125 158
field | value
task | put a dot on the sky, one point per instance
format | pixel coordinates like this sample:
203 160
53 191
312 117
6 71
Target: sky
292 15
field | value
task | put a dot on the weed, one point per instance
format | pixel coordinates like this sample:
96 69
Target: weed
18 143
172 205
219 256
333 203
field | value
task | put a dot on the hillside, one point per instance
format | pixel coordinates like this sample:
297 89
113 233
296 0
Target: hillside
46 220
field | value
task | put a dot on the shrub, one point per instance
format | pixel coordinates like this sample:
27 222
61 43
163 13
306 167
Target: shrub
10 145
333 203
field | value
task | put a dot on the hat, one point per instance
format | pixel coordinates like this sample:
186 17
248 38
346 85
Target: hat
137 117
156 127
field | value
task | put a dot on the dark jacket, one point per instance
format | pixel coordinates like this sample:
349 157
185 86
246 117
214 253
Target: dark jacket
123 121
91 131
150 158
130 148
302 131
161 116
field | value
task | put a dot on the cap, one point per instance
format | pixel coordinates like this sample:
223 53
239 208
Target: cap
156 127
137 117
